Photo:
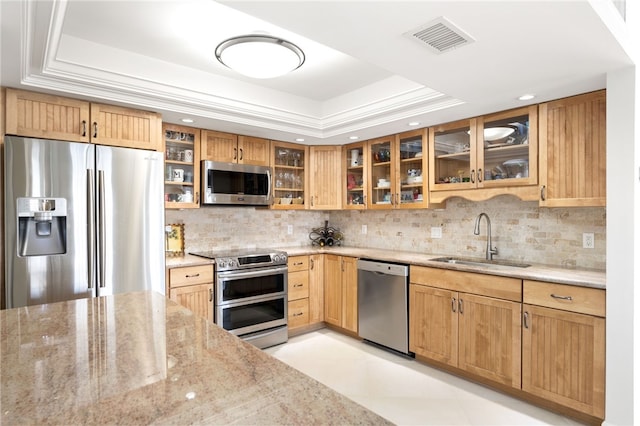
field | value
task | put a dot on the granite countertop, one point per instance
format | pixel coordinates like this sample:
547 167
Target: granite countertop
139 358
571 276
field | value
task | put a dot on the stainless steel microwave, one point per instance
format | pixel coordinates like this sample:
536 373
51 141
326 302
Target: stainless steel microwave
231 183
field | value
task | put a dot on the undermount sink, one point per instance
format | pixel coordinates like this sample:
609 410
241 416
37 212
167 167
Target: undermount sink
479 262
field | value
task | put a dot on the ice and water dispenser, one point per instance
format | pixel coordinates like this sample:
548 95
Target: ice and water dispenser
42 226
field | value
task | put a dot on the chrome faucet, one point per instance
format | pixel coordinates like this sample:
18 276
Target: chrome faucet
476 231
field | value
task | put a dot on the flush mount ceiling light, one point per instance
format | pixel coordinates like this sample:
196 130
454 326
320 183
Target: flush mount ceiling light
260 56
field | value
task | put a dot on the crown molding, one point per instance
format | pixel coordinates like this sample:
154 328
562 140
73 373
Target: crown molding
49 65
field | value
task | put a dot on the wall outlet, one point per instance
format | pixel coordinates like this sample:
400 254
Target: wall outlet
588 240
290 229
436 232
363 231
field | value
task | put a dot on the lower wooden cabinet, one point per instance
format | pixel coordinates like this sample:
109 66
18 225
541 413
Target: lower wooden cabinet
192 287
341 291
563 348
305 292
478 334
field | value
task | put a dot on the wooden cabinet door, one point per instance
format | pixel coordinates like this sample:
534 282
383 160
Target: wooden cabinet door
316 288
253 151
350 293
489 338
433 323
198 298
563 358
218 146
573 151
117 126
333 289
326 177
45 116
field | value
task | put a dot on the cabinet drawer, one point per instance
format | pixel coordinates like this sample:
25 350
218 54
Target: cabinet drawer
298 313
584 300
298 285
468 282
298 263
189 275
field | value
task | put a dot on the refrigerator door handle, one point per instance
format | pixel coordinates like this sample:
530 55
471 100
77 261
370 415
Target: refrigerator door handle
91 226
101 230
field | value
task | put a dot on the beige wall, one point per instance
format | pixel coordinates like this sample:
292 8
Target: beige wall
521 230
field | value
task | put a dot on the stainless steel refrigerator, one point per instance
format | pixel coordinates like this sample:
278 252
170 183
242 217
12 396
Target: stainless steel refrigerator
81 220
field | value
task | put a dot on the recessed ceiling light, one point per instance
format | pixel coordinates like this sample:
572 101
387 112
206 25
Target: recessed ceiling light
353 138
300 140
186 120
260 56
526 97
414 123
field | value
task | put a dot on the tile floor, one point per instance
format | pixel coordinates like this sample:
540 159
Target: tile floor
404 391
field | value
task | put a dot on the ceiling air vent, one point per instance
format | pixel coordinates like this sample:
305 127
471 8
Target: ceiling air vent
440 35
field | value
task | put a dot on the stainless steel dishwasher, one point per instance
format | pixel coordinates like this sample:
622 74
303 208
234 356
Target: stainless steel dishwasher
383 304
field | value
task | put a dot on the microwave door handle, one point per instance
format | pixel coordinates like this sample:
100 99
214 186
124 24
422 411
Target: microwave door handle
268 184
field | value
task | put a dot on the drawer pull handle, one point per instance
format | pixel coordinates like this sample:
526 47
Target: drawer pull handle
210 295
555 296
298 263
192 275
298 314
298 285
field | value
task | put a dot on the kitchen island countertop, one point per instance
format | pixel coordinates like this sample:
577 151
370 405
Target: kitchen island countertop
139 358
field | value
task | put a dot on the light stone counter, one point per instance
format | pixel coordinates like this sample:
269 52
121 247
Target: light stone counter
571 276
139 358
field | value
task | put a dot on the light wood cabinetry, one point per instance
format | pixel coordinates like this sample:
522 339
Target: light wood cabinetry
397 171
45 116
325 186
485 156
563 345
290 175
341 292
355 165
305 292
117 126
468 321
192 287
230 148
573 151
181 166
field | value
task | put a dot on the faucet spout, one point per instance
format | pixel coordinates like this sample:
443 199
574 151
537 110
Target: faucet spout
476 231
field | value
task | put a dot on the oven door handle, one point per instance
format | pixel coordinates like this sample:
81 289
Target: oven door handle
260 272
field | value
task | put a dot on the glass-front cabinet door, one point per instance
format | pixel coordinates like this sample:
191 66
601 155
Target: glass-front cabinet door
412 165
290 175
493 151
354 159
453 156
381 173
181 167
509 146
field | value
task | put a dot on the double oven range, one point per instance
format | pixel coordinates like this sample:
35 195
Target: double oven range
250 291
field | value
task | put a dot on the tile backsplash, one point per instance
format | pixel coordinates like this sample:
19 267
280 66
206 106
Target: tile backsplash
520 230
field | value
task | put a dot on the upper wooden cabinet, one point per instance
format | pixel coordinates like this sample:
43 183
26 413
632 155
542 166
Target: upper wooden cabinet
355 164
53 117
230 148
485 156
325 181
573 151
181 166
290 175
117 126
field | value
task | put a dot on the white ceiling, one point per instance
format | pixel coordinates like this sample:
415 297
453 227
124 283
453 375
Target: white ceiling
362 76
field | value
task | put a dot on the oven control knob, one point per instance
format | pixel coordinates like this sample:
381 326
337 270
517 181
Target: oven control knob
232 263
